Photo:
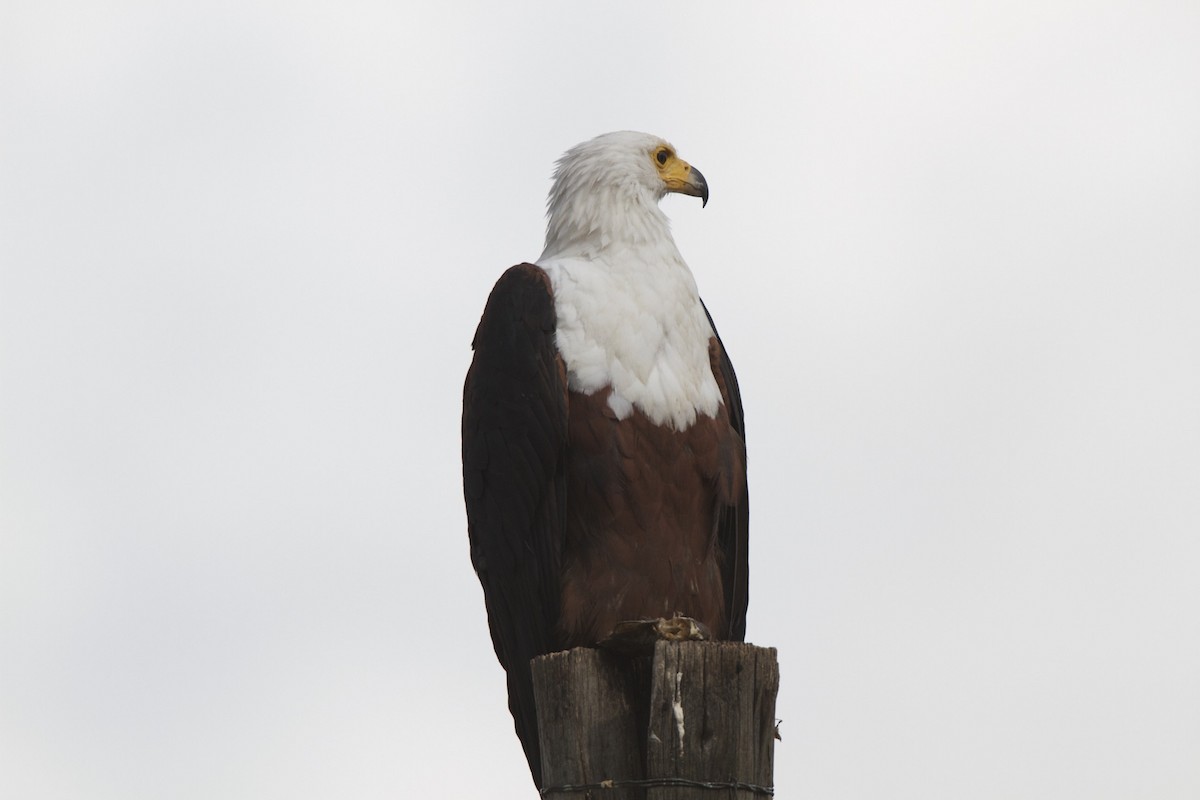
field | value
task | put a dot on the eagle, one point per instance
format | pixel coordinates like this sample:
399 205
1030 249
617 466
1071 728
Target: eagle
603 445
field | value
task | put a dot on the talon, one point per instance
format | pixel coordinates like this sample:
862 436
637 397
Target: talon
637 637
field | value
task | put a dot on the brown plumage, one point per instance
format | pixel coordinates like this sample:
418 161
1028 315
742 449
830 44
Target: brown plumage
641 525
579 520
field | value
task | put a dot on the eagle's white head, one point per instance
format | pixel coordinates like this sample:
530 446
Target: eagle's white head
606 194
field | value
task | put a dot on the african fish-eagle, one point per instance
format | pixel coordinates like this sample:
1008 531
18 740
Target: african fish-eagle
604 462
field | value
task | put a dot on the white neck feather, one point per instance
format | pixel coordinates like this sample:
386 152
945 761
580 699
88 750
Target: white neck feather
629 317
587 223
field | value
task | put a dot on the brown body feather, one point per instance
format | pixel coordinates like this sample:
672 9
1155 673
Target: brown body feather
641 526
578 520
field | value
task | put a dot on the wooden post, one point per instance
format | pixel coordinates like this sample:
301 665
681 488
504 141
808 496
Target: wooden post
694 722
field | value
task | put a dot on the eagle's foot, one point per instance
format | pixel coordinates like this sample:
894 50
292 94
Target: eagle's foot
681 629
637 636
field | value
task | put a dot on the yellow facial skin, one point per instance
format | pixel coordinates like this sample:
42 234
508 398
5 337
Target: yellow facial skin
678 175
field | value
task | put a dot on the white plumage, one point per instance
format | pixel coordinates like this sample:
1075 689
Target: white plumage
629 313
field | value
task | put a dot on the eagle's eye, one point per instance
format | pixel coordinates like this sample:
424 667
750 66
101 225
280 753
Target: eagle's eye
662 156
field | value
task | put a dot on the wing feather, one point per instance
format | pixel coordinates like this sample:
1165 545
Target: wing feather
733 524
514 440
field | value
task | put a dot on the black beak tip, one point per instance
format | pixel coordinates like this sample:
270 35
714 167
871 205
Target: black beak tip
699 176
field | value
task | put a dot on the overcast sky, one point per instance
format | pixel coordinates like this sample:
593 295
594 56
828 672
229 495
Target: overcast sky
953 249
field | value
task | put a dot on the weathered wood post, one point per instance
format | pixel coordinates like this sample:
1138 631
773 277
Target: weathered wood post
696 721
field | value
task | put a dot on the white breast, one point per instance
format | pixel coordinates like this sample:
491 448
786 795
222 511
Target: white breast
635 324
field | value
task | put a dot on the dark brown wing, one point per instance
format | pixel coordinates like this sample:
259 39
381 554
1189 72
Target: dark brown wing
734 520
514 439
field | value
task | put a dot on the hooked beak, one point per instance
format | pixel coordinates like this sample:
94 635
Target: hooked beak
683 178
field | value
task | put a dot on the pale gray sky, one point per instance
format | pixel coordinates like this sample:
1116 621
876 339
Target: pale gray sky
954 251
